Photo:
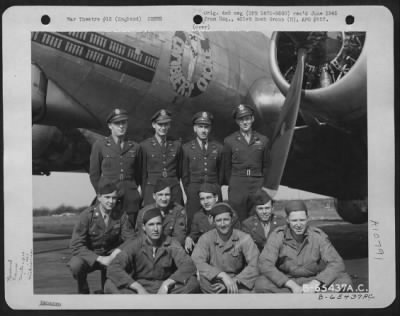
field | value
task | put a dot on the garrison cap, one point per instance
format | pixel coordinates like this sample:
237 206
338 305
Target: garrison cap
220 208
205 118
151 213
242 110
107 188
161 116
161 184
260 197
295 206
209 188
117 115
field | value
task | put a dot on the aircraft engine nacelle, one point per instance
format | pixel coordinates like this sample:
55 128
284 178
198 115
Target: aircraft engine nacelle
335 67
51 105
54 149
353 211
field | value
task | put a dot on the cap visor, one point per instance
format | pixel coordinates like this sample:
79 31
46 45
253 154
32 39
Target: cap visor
119 118
165 120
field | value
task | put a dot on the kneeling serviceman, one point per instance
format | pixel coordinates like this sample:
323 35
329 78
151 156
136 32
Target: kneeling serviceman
226 258
264 221
173 214
100 230
300 259
152 263
202 219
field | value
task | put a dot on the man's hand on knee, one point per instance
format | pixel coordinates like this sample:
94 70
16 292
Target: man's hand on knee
293 286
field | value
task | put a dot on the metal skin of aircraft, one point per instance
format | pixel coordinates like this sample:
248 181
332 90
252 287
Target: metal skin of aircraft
312 105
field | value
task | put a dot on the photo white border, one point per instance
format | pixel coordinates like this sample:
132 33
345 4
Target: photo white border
19 22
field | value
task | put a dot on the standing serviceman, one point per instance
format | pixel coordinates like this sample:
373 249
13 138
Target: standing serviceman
161 158
117 159
202 163
246 159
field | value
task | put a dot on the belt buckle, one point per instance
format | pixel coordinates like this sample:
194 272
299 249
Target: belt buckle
164 173
248 172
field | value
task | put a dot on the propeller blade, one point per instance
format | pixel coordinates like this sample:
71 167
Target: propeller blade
284 129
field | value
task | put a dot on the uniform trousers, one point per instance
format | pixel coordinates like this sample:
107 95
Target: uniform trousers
239 191
130 200
265 285
152 286
80 268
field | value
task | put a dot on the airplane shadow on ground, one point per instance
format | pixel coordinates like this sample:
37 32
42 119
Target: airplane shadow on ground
351 241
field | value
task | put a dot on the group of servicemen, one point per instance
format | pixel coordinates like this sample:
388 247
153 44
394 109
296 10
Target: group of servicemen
148 242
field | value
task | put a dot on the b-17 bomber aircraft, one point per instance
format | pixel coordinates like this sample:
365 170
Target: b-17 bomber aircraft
308 90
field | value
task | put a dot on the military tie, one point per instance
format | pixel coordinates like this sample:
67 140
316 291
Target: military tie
120 143
267 228
204 146
106 217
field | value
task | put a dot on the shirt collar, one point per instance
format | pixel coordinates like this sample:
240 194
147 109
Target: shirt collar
158 139
166 241
200 142
98 208
218 241
288 234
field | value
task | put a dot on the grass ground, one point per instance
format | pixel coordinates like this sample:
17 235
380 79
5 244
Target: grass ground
54 224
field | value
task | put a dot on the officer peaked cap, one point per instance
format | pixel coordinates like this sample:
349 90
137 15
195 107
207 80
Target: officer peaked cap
295 206
220 208
205 118
242 110
117 115
161 116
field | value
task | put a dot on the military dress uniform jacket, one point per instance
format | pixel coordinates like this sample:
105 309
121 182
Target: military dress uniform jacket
159 161
91 238
237 257
245 159
174 221
137 262
282 257
109 162
199 166
254 227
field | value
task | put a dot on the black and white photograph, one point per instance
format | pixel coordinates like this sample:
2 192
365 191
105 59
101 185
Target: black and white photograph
231 158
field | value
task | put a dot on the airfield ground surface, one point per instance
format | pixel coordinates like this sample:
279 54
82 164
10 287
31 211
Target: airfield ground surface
51 251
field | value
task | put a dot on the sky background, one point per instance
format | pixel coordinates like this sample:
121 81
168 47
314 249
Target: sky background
75 189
